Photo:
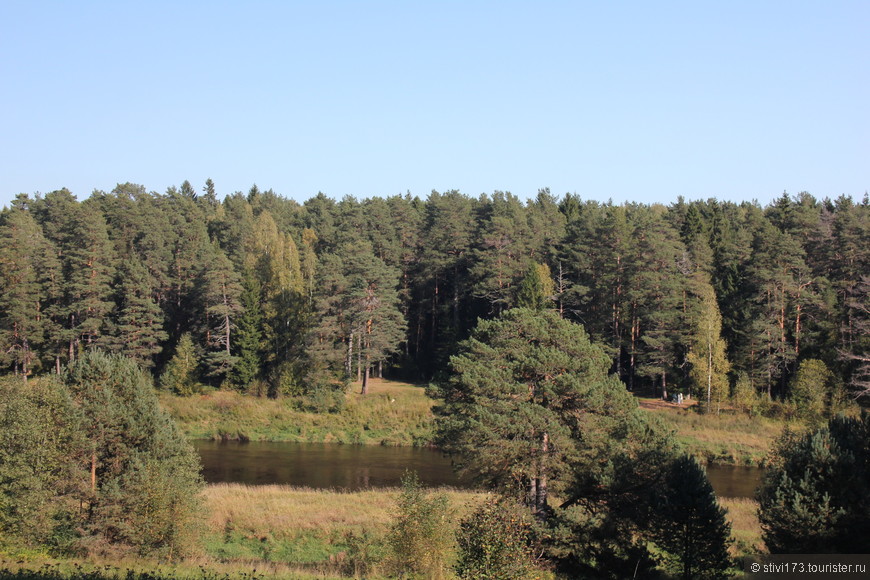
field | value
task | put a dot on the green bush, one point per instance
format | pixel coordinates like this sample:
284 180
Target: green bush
364 553
421 538
495 543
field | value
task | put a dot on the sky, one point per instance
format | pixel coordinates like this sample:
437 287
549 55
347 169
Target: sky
629 101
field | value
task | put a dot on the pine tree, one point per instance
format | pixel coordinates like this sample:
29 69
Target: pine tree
90 270
219 290
22 297
144 475
443 286
502 252
530 405
360 322
374 311
655 286
596 254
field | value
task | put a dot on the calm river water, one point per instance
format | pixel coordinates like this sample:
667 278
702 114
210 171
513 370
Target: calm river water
351 467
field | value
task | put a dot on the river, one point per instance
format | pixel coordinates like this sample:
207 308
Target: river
352 467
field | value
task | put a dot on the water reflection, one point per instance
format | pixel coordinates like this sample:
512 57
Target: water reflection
322 465
734 480
354 467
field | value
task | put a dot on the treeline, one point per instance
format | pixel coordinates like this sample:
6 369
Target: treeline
263 294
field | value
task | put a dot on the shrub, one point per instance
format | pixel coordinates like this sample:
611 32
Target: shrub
495 543
420 538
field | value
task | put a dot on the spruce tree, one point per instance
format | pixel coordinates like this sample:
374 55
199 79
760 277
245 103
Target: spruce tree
249 334
181 374
536 289
815 496
139 331
689 523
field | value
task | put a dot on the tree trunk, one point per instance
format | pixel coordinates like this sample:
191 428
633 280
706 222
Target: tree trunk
359 358
348 361
94 472
709 374
365 378
540 505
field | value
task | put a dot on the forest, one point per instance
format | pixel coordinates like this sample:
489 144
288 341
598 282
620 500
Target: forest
533 324
271 297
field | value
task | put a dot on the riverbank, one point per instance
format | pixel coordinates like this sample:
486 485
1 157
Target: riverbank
728 438
395 413
285 532
392 413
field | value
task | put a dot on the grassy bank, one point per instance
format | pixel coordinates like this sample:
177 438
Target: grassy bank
745 529
392 413
395 413
729 438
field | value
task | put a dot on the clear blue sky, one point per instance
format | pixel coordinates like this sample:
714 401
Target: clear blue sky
640 101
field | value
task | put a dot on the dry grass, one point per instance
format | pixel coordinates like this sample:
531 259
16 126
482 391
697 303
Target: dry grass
286 511
305 529
743 515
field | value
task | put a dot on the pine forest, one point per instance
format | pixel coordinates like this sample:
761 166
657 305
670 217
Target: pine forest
261 294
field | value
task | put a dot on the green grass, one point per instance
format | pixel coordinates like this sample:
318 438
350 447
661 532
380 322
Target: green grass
392 413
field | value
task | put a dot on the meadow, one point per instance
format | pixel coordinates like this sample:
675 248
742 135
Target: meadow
730 438
267 532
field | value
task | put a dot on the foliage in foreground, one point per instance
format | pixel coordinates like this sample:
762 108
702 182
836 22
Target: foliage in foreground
815 497
89 462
